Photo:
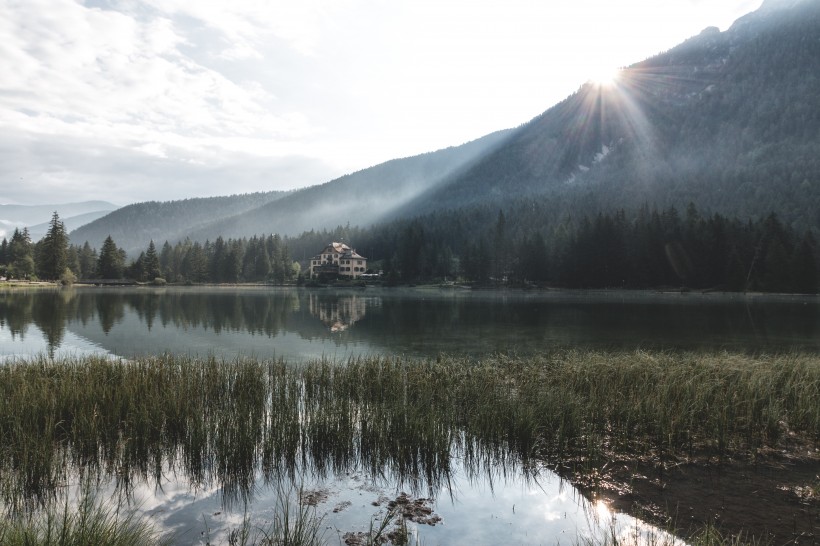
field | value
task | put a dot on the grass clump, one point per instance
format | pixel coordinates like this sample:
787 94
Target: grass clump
89 522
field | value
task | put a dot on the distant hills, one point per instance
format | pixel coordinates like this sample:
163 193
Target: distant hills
360 198
36 217
132 227
729 121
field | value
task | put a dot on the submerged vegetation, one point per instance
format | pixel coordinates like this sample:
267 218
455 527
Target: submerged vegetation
230 423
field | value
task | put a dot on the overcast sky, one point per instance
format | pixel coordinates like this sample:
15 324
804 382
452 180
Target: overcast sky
138 100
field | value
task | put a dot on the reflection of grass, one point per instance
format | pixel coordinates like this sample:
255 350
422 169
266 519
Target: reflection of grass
291 526
225 422
89 522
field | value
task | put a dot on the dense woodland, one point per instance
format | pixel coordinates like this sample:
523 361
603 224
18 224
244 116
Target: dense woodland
647 248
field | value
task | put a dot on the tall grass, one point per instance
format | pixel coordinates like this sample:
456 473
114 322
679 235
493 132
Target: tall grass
88 522
225 422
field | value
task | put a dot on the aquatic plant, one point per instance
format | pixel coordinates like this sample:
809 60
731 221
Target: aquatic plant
231 423
88 522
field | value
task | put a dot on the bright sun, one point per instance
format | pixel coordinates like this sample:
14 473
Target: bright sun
604 76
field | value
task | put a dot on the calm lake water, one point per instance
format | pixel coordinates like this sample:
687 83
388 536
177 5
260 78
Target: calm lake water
304 324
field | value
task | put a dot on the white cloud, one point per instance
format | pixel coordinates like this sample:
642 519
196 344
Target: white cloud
95 82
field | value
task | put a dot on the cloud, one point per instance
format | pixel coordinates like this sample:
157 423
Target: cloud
86 89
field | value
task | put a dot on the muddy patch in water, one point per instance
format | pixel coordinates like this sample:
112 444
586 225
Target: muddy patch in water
771 497
415 510
313 497
393 528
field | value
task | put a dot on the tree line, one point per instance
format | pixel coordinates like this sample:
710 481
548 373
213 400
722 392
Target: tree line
258 259
529 244
647 248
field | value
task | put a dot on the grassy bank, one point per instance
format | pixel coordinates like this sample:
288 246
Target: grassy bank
223 423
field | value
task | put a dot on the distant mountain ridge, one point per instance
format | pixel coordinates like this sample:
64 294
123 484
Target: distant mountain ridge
361 198
133 226
34 217
729 121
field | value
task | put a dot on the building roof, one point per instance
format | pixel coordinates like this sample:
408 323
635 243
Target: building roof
340 248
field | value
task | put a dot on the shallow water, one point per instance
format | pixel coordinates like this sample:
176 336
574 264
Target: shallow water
490 510
302 324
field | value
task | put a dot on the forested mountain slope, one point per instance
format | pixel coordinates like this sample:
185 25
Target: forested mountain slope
727 120
133 226
361 198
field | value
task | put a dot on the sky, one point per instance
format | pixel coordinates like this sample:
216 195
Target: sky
138 100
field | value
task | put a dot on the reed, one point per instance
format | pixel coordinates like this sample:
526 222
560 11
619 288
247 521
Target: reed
87 522
231 422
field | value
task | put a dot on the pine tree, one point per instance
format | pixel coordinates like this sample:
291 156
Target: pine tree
88 262
111 263
151 268
21 261
53 250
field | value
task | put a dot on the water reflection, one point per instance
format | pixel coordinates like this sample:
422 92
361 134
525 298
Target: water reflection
184 437
340 312
304 324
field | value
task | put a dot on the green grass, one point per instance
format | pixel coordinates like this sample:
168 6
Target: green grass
89 522
225 423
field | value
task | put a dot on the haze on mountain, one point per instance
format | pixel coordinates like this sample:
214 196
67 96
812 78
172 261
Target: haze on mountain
133 225
36 217
729 121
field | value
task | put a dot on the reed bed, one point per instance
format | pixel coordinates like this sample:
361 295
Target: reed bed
88 522
230 422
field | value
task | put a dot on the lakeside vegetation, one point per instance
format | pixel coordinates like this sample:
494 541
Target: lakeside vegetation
231 423
527 243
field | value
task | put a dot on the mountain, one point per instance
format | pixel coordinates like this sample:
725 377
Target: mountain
133 226
361 198
727 120
36 216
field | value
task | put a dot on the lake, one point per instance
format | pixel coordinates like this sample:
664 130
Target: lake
303 324
491 504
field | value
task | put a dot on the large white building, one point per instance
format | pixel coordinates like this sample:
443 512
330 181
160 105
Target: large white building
338 259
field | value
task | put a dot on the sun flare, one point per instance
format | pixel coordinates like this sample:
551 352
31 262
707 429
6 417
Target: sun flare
604 76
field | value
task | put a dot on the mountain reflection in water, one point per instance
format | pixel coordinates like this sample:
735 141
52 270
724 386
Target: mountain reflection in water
301 324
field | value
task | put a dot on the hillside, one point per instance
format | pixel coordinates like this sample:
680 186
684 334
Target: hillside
362 198
728 120
133 226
